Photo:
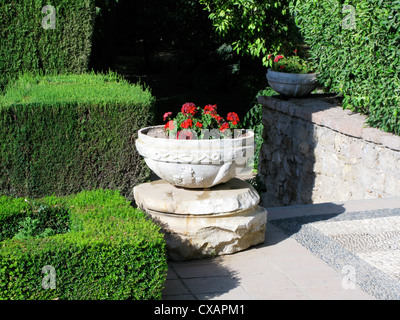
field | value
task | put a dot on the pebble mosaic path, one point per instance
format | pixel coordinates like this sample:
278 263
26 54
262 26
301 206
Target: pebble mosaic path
374 240
365 243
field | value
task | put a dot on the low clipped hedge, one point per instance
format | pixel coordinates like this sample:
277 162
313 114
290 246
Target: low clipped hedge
356 48
102 248
63 134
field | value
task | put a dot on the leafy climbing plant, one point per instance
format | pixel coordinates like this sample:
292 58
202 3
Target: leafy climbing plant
253 120
355 46
254 27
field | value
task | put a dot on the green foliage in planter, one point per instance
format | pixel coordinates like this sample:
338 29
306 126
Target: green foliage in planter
28 46
67 133
355 46
103 248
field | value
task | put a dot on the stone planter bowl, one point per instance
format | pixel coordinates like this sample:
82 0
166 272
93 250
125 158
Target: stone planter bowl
195 163
292 84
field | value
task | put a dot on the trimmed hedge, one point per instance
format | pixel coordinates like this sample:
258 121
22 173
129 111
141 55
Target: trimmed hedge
67 133
356 48
27 46
106 249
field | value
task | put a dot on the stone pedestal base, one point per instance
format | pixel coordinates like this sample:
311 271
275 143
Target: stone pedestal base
199 223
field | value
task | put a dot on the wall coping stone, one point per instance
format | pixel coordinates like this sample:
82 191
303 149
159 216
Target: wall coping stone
321 111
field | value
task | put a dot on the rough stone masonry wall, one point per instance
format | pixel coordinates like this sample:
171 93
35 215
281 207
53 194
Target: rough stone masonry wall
314 152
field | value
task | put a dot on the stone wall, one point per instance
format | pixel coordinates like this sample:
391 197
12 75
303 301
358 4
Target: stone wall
314 152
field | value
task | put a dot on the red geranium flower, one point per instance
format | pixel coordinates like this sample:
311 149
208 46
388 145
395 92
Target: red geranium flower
167 115
191 121
224 126
187 123
282 67
277 58
216 117
233 117
210 109
169 125
189 108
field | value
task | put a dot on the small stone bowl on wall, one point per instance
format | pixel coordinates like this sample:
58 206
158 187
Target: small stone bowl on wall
292 84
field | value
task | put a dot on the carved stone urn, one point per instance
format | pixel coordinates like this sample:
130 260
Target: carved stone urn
202 209
195 163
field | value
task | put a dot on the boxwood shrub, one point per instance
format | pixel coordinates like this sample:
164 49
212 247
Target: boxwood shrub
356 48
101 248
63 134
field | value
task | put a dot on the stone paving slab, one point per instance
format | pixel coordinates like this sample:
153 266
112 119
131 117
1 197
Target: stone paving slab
278 269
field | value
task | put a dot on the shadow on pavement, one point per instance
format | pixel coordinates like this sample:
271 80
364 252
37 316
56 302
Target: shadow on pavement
198 280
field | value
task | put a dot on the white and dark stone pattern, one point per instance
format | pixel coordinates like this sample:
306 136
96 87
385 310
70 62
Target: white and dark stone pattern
367 243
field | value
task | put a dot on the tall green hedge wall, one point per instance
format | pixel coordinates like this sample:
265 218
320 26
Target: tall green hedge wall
356 47
27 46
67 133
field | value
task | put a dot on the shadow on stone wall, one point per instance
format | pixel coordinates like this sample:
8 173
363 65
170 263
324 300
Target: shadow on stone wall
287 156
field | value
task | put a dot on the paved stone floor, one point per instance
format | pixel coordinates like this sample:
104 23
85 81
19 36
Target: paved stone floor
280 268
